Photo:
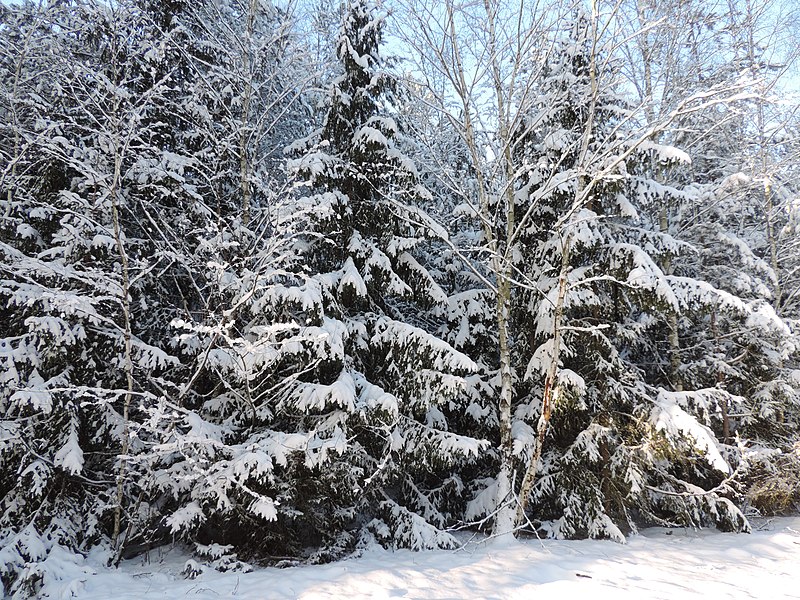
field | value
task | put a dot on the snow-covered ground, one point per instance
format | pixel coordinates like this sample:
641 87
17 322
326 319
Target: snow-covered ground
658 563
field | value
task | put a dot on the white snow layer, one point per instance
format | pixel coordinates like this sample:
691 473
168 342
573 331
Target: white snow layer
658 563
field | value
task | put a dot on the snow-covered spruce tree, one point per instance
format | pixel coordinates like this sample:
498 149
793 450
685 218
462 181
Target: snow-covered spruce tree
731 208
732 339
613 449
736 212
368 237
767 206
83 281
467 321
733 343
236 92
319 419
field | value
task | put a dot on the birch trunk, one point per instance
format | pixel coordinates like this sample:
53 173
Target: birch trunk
245 170
504 524
582 197
127 357
550 389
120 148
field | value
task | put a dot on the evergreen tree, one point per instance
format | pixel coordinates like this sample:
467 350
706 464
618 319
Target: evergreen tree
325 421
370 232
601 282
80 364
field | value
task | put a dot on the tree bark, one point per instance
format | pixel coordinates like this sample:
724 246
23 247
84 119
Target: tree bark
120 147
582 197
550 389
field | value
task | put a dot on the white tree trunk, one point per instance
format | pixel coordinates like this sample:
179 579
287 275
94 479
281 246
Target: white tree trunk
549 394
504 524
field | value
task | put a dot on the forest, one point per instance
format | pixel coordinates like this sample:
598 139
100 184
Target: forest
282 280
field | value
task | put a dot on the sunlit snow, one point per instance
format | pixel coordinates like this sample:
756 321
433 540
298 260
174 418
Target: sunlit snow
658 563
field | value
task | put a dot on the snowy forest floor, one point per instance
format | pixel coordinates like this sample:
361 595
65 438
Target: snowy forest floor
658 563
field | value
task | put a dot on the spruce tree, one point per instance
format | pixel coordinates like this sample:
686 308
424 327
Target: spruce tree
325 421
82 359
370 237
601 281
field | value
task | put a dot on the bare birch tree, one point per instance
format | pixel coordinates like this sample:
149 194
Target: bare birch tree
482 65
